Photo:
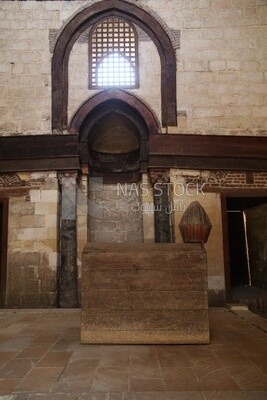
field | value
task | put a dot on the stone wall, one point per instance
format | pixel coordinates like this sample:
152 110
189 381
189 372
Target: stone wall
32 241
221 64
114 212
221 89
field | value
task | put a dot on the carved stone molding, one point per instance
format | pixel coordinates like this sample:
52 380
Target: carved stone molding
209 178
68 179
10 180
159 176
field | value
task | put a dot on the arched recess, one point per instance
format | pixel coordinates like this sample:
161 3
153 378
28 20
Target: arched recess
125 107
82 21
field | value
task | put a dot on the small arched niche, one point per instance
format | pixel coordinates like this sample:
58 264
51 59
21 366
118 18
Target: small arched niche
114 144
114 127
114 134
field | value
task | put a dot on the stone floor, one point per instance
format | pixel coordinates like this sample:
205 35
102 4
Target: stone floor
41 358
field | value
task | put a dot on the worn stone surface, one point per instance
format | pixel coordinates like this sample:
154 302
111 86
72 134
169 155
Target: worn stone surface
129 298
114 214
32 243
67 290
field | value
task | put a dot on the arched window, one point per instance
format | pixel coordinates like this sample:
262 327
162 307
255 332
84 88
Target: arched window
113 54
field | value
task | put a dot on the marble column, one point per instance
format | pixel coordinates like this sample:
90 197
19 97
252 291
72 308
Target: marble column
67 274
160 180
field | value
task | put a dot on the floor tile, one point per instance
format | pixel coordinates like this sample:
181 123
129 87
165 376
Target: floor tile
213 376
16 368
34 351
110 379
178 379
174 395
55 359
6 356
173 357
235 395
14 344
148 367
77 377
44 360
46 337
7 386
143 385
39 380
82 367
249 378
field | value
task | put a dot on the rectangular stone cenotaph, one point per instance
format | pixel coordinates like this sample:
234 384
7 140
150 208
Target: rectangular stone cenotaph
144 293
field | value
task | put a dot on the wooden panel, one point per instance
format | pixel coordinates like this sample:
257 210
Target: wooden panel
39 153
61 152
45 164
221 163
38 146
209 146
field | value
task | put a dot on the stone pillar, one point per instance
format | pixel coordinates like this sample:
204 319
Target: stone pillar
160 180
67 274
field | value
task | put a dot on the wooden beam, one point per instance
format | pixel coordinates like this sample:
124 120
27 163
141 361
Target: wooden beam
39 153
209 146
43 164
38 146
213 163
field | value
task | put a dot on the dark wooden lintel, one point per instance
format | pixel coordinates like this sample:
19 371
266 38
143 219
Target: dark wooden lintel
39 153
38 146
238 153
210 163
43 164
208 146
64 152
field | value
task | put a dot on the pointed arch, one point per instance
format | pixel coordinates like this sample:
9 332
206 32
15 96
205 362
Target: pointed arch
82 21
115 94
127 107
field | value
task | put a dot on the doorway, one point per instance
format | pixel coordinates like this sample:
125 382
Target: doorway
3 249
247 245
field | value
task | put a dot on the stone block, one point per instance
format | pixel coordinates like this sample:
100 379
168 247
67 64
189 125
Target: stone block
32 221
144 293
49 196
21 208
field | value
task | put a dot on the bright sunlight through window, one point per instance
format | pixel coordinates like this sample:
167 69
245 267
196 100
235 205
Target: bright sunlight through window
113 54
115 70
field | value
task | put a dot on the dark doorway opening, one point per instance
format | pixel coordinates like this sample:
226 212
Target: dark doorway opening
239 265
3 249
244 252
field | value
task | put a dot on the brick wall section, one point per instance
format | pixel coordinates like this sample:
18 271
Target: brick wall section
232 179
225 179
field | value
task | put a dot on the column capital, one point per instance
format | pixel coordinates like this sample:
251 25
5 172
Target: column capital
159 176
68 178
